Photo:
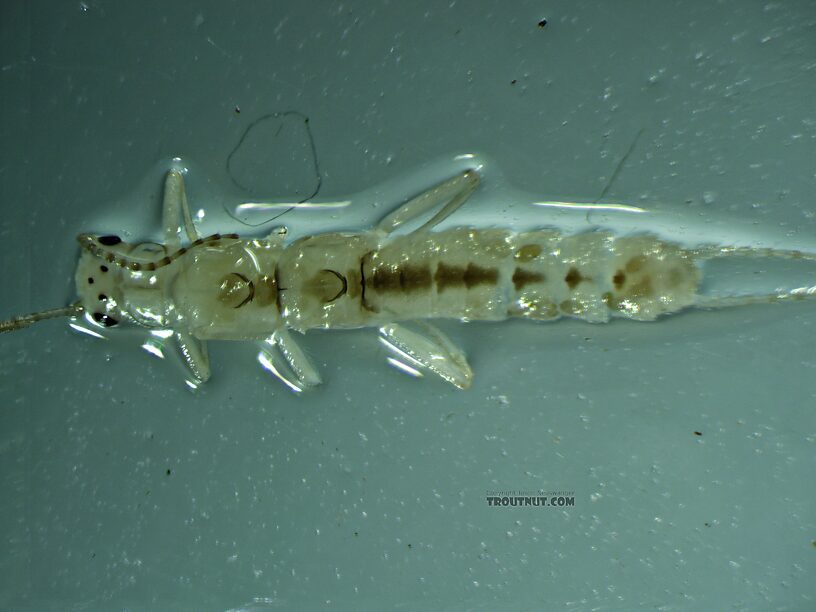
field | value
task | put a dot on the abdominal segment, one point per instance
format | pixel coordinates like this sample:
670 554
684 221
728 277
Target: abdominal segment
492 274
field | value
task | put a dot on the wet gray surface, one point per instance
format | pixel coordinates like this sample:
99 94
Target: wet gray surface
688 443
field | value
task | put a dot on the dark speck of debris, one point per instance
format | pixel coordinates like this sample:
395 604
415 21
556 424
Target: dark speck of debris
707 524
169 471
356 534
409 546
237 110
542 23
698 433
513 82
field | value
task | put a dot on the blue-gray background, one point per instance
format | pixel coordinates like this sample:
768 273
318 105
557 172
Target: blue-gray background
121 489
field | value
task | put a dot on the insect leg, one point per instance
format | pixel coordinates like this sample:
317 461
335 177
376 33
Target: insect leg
295 369
431 349
176 212
194 353
450 194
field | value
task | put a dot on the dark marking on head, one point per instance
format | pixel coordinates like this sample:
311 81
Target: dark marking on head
103 268
522 278
90 280
573 278
110 240
104 319
619 279
102 297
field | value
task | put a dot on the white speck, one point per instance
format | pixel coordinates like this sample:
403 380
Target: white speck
654 78
709 197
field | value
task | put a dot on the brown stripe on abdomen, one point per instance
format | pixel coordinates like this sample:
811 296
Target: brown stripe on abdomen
458 276
407 279
522 278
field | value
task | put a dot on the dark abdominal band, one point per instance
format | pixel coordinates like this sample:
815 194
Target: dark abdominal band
415 278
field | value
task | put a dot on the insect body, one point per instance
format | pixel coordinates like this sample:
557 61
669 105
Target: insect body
223 287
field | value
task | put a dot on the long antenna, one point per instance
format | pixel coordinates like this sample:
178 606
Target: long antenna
16 323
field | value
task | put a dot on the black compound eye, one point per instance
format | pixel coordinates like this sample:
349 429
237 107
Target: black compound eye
109 240
106 320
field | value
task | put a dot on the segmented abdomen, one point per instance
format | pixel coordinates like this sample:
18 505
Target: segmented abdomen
492 274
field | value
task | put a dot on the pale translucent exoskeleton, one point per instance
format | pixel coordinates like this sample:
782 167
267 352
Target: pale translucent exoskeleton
224 287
